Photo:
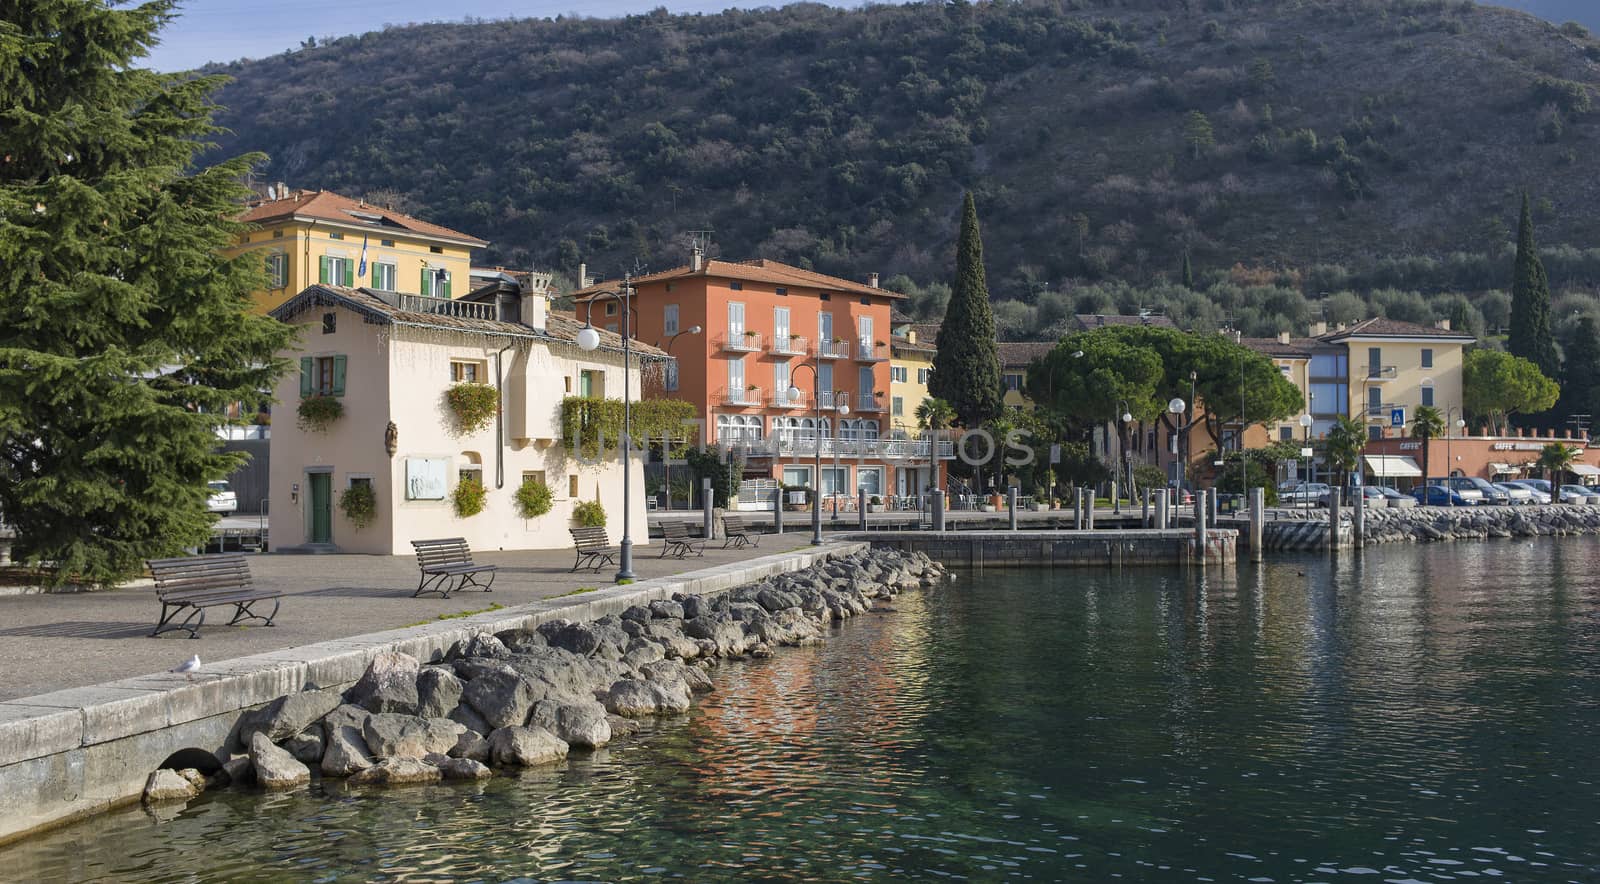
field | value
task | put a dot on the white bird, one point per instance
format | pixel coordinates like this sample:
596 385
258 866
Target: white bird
189 667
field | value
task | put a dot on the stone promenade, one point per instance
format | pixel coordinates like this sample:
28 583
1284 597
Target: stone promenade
55 641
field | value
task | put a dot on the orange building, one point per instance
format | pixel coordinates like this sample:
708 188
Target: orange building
767 326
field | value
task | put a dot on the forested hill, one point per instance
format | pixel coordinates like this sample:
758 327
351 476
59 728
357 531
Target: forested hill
1103 137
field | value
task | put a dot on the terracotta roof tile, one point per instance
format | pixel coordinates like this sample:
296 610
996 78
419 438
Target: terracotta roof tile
1394 328
1091 321
1297 348
1017 354
329 206
757 270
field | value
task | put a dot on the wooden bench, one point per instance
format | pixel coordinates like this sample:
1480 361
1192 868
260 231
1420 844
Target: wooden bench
195 583
593 547
738 533
677 541
446 565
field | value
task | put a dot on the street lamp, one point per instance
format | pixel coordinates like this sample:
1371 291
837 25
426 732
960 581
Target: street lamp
1449 459
843 409
666 444
588 340
1305 452
1122 456
1176 408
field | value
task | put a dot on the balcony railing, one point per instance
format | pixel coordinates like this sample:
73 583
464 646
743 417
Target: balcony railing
1382 409
869 402
869 351
833 349
782 399
740 396
444 307
828 400
1381 372
741 341
789 345
800 444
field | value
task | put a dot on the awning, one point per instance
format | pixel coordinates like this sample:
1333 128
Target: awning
1391 466
1584 469
1498 468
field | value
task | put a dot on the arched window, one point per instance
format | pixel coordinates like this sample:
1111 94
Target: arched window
733 428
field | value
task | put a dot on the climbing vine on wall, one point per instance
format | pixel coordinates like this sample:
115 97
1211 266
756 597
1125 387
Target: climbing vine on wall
596 424
474 405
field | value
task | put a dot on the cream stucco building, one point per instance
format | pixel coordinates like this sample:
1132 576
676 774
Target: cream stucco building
389 360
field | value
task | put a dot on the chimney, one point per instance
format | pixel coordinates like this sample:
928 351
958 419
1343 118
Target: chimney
283 190
1283 338
1318 329
872 280
911 336
1442 324
534 309
583 276
697 260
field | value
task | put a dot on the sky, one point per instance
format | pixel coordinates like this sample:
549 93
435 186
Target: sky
225 30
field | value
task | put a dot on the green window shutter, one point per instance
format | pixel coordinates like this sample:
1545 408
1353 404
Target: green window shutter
424 287
322 270
349 273
338 375
305 376
446 292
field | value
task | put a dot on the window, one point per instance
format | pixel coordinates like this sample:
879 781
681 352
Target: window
467 371
671 378
1329 398
1014 382
1427 396
797 476
1329 365
383 277
332 270
783 292
1427 357
735 319
825 296
1375 431
1286 434
736 285
611 308
277 270
1375 400
435 282
780 379
897 373
566 383
738 428
870 480
824 328
780 324
897 406
736 376
330 323
277 234
591 383
572 486
360 481
669 319
322 375
386 243
437 250
835 480
334 234
922 376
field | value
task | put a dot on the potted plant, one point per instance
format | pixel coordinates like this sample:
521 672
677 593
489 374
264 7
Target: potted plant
469 497
794 337
317 413
359 503
874 504
474 405
533 498
751 334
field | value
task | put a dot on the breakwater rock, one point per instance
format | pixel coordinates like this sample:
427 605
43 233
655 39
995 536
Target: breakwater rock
528 697
1431 524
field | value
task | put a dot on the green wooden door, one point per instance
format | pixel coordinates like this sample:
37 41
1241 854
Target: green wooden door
321 507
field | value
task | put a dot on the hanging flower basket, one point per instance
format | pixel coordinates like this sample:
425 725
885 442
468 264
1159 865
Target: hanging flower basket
470 497
474 405
533 498
359 503
589 514
317 413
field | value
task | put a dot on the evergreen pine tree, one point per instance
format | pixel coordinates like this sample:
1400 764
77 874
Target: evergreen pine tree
124 337
1530 335
1188 272
1580 373
966 371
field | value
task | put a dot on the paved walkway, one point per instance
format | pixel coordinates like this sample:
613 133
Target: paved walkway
55 641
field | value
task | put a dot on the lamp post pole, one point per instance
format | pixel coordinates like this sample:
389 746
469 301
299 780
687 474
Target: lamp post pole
1244 470
816 403
666 444
589 339
1449 460
1122 418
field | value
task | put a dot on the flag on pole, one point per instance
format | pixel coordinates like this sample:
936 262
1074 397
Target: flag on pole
361 269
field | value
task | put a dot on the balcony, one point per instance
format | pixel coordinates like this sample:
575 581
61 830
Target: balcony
789 345
1381 372
801 444
746 396
830 400
870 351
834 349
782 399
741 341
442 306
868 402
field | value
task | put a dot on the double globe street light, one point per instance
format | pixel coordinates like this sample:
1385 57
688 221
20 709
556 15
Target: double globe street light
843 409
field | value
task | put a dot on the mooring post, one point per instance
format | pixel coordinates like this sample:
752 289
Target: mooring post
861 509
1258 521
777 510
1011 505
1088 508
938 509
1077 509
1144 512
1216 506
1200 504
1161 509
1358 516
1333 521
706 501
1116 502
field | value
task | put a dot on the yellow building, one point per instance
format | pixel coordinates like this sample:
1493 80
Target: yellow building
1392 367
310 237
910 362
1014 361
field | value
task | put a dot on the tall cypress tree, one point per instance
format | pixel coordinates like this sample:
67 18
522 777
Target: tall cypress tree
124 337
1188 271
1530 303
1580 373
966 371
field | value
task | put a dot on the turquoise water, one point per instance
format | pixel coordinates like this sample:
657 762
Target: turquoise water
1430 714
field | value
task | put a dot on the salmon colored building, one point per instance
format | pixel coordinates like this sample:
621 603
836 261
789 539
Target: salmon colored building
766 327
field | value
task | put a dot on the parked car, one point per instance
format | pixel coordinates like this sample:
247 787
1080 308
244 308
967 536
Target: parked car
1470 493
1305 494
1491 495
222 499
1438 495
1389 493
1519 495
1576 493
1540 495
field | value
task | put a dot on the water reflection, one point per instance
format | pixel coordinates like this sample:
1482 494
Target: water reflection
1419 713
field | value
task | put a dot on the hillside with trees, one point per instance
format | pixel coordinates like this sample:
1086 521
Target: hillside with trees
1307 158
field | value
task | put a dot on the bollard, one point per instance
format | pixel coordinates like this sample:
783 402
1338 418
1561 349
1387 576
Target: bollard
1116 502
1077 510
1159 518
1200 525
1216 506
777 511
1333 522
1258 521
1088 509
938 509
1011 505
1358 517
1144 511
861 509
706 500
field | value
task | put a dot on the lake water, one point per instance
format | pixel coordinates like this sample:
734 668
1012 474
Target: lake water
1429 714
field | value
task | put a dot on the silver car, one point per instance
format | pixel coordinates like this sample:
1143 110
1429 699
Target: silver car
1519 495
1539 494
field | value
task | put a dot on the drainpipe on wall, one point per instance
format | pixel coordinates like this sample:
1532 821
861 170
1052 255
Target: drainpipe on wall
499 420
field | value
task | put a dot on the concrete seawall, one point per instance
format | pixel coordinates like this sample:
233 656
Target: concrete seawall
72 753
991 549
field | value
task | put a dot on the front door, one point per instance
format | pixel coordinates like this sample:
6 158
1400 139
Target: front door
321 507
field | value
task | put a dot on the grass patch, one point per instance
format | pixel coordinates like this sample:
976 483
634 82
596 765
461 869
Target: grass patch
579 591
625 581
456 616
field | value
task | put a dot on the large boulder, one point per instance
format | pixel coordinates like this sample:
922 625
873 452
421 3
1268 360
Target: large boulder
275 768
388 685
632 698
397 771
577 724
664 609
502 699
345 751
470 745
286 716
461 768
168 785
439 690
391 735
306 746
525 746
485 646
469 718
579 638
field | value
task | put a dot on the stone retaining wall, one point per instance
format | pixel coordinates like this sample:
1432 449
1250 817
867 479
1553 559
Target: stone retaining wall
999 549
1430 524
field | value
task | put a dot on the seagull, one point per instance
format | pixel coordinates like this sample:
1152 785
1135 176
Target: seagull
189 667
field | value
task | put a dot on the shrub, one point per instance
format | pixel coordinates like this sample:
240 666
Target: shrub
533 498
1149 476
317 413
359 503
474 405
469 497
589 514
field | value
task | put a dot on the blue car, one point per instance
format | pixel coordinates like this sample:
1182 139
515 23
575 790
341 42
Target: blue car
1438 495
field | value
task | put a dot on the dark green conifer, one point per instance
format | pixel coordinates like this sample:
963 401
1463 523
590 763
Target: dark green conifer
1188 272
1530 335
124 337
966 371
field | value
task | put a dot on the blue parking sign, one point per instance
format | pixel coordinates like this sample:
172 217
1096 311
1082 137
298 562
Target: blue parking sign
1397 417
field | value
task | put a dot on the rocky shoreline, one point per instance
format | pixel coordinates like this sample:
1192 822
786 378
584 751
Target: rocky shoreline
1432 524
529 696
